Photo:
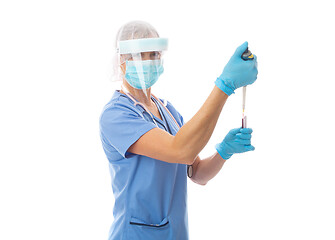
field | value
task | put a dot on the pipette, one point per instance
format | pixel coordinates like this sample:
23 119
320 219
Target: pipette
244 118
247 55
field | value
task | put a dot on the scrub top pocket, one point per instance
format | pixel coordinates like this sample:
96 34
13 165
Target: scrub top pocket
139 229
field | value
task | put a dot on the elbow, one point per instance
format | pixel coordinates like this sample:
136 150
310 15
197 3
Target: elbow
202 183
183 156
187 158
190 160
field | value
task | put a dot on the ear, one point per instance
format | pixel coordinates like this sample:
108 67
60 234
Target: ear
123 68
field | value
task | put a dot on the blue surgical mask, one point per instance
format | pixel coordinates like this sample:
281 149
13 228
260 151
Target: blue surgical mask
143 74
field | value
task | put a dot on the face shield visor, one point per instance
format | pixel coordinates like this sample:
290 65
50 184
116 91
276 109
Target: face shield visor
141 61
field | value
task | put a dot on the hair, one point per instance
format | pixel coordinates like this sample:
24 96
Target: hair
136 30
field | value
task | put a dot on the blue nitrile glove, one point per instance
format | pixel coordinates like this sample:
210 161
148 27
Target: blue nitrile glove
238 72
236 141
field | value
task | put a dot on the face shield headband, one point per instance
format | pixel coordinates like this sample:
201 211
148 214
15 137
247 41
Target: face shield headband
142 45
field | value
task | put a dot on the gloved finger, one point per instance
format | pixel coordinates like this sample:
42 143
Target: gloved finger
255 62
249 148
243 135
250 65
243 142
255 59
246 130
241 49
254 73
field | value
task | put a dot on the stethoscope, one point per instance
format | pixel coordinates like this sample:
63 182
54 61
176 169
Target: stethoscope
128 94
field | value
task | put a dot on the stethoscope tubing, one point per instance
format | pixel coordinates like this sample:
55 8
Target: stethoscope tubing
144 107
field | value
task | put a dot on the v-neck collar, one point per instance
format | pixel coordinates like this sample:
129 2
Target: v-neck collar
163 122
160 111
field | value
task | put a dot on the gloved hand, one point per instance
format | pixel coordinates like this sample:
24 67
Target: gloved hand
238 72
236 141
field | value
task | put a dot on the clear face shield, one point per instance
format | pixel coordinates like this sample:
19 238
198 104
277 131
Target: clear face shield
141 62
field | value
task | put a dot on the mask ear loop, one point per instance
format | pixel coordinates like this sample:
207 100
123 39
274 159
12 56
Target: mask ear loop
124 61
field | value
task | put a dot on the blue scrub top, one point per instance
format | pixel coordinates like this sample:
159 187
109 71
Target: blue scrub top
150 195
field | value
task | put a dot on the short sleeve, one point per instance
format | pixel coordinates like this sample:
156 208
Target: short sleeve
121 126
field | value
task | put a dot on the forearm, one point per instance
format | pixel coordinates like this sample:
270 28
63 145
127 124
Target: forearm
195 134
206 169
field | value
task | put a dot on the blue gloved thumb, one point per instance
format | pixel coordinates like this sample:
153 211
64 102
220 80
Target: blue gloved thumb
235 131
240 50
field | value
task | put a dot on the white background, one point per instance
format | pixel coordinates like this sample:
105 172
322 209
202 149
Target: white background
55 68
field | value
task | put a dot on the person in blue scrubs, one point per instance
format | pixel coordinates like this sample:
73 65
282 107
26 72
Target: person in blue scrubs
151 150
